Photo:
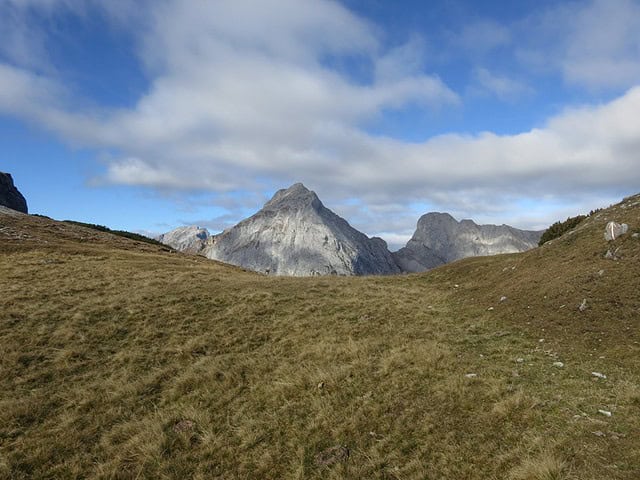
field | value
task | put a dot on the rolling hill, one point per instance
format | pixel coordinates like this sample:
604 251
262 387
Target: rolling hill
122 359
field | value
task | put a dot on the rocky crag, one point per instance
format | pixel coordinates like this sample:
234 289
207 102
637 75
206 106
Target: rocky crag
191 239
439 238
10 197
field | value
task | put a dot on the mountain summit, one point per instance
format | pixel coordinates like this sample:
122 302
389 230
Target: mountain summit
439 238
296 196
295 234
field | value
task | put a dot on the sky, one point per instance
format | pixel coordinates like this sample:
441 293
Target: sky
146 115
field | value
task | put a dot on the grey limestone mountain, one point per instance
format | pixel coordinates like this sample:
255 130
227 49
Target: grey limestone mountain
186 239
295 234
10 197
440 239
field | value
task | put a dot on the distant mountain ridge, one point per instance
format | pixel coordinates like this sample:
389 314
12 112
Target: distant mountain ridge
295 234
439 239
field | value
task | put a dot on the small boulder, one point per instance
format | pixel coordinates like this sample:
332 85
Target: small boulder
583 306
613 230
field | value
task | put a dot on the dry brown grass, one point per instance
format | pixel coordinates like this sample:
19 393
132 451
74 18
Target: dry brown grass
122 360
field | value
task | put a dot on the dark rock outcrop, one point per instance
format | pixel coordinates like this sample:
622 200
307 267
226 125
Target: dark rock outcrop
10 197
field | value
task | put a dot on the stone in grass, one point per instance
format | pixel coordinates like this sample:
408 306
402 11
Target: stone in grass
332 455
613 230
471 375
583 306
558 364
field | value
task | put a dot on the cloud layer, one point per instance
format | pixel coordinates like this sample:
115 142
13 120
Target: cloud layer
254 95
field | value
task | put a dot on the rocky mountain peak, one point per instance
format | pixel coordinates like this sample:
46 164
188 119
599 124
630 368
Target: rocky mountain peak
10 197
439 238
295 234
297 196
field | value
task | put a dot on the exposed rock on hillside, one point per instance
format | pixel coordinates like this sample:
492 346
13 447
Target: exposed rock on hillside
186 239
613 230
440 239
10 197
295 234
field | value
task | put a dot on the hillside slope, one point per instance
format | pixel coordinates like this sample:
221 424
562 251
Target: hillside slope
124 360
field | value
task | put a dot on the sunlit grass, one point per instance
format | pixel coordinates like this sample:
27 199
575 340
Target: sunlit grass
121 360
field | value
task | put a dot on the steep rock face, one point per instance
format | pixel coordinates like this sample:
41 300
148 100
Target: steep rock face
440 239
186 239
10 197
295 234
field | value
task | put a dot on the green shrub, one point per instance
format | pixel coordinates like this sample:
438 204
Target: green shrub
120 233
560 228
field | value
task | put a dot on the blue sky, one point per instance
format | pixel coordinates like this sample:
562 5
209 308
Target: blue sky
150 114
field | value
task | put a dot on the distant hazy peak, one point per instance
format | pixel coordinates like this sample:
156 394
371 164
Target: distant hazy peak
189 239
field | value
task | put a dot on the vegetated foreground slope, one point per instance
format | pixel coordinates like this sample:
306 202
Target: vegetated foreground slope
121 360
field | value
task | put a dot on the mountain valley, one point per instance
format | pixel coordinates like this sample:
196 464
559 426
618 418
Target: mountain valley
123 359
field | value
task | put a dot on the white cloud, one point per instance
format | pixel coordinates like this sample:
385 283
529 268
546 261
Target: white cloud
593 44
604 44
505 88
241 85
243 95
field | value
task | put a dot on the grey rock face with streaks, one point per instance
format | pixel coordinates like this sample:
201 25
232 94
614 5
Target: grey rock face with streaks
440 239
613 230
295 234
186 239
10 197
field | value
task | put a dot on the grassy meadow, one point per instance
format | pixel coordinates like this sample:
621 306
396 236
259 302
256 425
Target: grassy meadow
124 360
